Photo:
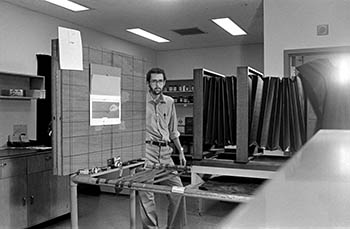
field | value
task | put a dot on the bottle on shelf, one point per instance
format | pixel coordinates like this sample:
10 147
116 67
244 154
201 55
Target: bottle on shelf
180 99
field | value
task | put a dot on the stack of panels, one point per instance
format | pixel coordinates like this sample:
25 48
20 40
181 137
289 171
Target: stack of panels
276 112
278 116
219 115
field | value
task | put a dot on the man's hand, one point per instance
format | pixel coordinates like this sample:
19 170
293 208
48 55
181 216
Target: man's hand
182 157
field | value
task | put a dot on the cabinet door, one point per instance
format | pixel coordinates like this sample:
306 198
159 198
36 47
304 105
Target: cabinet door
38 197
13 202
60 198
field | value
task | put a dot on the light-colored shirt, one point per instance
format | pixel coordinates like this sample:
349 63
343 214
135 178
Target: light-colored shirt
161 120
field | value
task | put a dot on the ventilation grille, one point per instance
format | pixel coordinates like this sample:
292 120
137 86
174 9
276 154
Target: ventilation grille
188 31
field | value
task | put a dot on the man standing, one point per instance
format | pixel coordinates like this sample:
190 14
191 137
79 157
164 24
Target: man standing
161 127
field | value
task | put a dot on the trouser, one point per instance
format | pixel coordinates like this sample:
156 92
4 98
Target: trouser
176 207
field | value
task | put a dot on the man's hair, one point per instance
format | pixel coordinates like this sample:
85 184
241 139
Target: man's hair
155 71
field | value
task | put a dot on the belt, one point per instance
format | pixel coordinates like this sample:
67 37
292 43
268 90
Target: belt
157 143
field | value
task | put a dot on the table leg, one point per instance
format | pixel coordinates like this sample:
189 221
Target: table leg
132 205
196 179
73 204
133 209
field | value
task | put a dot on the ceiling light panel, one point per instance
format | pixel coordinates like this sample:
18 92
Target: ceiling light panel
68 5
148 35
228 25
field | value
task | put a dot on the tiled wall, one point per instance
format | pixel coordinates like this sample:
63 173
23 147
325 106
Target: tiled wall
85 146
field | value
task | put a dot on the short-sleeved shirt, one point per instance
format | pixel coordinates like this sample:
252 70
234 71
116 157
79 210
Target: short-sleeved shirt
161 120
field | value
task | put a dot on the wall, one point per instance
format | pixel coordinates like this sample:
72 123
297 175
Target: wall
25 33
179 64
291 24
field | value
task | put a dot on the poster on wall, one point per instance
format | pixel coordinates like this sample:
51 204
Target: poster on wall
105 104
70 49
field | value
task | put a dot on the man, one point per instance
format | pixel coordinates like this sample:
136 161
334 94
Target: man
161 127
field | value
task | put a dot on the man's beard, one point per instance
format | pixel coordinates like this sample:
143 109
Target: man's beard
156 91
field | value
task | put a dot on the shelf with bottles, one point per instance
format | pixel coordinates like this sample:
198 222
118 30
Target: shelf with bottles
178 89
181 91
179 86
183 99
18 86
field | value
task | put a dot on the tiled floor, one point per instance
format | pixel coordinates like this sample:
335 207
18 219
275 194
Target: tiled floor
107 210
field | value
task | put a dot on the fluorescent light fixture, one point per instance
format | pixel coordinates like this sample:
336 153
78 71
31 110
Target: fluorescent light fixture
228 25
68 5
147 35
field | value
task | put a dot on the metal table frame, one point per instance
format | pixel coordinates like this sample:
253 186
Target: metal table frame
189 190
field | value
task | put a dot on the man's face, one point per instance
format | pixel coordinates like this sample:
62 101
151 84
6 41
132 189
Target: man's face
156 83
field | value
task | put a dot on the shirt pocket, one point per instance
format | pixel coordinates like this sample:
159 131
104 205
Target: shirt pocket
164 113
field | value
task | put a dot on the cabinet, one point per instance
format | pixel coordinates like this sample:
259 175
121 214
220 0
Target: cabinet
30 193
18 86
182 93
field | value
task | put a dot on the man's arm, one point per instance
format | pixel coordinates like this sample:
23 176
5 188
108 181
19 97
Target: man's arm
174 135
182 158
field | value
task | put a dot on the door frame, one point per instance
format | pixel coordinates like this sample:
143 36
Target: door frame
289 54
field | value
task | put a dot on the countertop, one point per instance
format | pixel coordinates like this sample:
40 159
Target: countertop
310 191
22 151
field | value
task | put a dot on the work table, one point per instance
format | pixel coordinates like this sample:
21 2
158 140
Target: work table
310 191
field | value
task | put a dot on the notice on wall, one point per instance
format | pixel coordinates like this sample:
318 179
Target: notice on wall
70 49
105 104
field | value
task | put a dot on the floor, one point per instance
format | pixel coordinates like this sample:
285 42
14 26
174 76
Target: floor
106 210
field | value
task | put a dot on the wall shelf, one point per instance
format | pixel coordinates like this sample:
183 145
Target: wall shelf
33 85
178 92
16 97
184 104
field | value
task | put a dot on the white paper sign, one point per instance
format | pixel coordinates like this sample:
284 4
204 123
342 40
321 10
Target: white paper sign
70 49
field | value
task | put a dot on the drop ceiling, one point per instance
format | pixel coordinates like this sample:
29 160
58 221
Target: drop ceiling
162 17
